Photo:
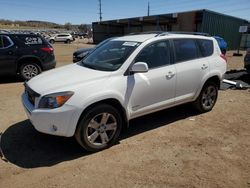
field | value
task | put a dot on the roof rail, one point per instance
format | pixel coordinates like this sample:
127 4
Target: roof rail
183 32
147 32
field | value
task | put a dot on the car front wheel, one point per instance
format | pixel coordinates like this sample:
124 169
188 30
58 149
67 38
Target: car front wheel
99 128
207 98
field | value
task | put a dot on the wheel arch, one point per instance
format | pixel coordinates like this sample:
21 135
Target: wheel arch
213 78
28 59
112 102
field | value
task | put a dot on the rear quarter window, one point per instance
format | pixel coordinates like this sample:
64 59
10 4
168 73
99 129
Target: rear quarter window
206 47
31 40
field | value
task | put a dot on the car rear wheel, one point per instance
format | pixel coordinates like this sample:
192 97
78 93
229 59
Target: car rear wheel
207 98
52 41
99 128
29 70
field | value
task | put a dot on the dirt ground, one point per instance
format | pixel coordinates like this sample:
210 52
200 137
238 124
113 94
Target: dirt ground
172 148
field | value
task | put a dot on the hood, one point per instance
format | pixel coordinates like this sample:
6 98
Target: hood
65 78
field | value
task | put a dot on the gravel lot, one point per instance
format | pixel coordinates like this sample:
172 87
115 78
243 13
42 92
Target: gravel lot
172 148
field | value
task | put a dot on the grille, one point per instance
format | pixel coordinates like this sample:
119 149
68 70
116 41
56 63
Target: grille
31 94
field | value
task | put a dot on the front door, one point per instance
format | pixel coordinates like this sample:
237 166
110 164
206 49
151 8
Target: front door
155 89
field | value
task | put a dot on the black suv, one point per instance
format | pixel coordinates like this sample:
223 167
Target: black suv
25 54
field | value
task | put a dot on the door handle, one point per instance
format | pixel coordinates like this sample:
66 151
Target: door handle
170 75
204 66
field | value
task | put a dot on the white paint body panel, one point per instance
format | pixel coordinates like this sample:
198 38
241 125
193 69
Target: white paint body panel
139 94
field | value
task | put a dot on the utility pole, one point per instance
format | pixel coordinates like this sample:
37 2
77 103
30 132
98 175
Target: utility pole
100 10
148 8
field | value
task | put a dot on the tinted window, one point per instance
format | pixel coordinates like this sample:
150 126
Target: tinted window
185 49
62 35
206 47
31 40
1 42
155 55
4 42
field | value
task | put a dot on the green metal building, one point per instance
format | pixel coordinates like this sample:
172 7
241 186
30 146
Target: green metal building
205 21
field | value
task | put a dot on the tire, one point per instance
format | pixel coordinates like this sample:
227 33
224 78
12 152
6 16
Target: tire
99 128
68 41
29 70
52 41
207 97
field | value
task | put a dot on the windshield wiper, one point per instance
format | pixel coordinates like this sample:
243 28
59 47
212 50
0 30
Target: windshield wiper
88 66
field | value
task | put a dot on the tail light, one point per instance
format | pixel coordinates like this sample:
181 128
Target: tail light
223 57
48 50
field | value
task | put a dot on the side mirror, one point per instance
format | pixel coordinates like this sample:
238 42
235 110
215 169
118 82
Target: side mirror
139 67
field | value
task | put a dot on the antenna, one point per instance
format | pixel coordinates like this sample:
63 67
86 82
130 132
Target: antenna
100 10
148 8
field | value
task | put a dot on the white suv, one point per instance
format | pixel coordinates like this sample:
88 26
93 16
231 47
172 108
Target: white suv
66 38
125 78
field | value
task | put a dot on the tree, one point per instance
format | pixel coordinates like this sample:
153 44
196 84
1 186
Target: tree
68 26
83 28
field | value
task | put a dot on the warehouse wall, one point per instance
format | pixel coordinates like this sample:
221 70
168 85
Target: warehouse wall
202 21
104 31
224 26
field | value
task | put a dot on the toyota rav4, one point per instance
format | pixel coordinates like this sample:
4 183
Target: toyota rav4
123 79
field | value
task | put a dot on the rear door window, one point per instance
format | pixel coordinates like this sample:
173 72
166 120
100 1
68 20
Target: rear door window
1 41
206 47
185 49
5 42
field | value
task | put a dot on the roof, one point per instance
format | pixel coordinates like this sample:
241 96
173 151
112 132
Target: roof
136 38
143 37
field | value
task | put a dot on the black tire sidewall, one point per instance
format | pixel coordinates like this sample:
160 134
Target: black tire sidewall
198 102
83 125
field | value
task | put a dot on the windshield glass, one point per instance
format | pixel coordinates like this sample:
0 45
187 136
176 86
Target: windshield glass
110 56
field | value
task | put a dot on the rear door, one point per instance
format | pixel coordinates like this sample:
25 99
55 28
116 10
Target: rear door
191 67
154 89
7 55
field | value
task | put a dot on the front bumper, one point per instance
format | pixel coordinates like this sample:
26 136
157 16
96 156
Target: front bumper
60 121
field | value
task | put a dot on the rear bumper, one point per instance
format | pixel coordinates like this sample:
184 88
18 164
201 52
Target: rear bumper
49 65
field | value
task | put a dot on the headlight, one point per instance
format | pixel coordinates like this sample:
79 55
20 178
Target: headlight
55 100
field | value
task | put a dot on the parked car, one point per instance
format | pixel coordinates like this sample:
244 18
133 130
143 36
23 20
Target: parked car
66 38
81 53
25 54
247 60
222 44
123 79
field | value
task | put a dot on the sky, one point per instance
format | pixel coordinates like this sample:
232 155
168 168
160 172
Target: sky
86 11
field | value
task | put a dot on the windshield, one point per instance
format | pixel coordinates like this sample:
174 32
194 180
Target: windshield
110 56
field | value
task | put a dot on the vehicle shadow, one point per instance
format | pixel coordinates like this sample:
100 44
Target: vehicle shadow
23 146
10 79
